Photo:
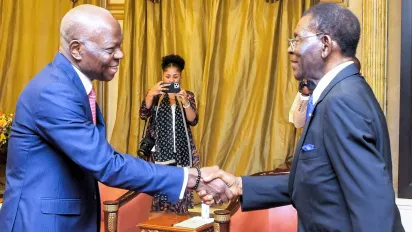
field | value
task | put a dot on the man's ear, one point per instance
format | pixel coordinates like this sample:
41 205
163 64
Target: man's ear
75 49
327 45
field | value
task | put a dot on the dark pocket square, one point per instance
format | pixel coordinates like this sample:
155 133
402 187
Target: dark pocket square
308 147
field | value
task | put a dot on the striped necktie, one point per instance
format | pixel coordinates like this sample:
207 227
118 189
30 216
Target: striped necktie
92 101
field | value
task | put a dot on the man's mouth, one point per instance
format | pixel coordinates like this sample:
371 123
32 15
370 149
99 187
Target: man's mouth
114 68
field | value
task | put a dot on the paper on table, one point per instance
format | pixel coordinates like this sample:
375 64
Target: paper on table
194 222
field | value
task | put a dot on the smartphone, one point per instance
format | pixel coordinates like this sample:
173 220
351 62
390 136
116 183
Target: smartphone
174 87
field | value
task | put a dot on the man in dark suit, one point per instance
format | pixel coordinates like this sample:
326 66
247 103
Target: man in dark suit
58 148
341 175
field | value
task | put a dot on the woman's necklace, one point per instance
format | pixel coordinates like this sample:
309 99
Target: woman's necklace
172 99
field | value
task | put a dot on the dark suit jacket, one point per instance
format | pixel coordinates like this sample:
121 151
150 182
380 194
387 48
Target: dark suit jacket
344 181
57 155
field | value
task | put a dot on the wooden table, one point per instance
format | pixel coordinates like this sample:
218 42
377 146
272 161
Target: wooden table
165 222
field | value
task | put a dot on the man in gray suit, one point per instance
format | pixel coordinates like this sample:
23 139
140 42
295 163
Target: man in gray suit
341 175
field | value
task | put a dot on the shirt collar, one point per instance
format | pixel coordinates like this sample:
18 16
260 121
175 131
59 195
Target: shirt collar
324 82
87 83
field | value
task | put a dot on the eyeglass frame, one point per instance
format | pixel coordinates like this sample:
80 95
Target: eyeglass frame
298 38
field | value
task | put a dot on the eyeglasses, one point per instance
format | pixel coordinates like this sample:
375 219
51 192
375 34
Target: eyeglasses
293 41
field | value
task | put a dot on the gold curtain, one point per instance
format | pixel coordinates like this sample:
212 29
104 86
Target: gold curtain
236 64
29 40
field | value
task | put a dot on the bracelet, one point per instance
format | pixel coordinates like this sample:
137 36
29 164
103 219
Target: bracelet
187 106
197 179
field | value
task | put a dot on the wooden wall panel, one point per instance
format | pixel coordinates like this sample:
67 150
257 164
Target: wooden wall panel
116 7
341 2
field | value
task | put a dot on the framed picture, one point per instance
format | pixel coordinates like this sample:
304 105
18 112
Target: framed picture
340 2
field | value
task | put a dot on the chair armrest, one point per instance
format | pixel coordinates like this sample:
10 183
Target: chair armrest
111 210
128 196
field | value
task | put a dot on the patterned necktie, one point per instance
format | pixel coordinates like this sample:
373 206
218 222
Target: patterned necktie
92 101
310 108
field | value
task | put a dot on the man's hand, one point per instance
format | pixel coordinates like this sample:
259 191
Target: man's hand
233 182
215 189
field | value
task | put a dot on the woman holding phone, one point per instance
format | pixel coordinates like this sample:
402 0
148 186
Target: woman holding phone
172 111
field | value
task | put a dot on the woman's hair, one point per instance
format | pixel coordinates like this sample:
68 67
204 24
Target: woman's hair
173 60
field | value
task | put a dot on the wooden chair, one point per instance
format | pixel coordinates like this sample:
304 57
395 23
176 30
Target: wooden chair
279 219
127 210
118 213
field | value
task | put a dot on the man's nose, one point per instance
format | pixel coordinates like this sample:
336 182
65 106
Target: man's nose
118 54
290 50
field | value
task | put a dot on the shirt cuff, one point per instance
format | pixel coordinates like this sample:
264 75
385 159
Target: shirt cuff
185 175
303 98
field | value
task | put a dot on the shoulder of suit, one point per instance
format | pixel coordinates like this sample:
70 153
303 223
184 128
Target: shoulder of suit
354 82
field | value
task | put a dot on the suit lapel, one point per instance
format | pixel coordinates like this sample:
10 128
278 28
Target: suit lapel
101 126
346 72
64 64
297 153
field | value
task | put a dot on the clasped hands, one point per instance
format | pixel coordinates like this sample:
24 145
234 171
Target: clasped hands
216 186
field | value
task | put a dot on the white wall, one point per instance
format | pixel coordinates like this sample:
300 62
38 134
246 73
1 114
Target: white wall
405 207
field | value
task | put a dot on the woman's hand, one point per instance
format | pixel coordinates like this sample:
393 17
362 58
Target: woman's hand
190 111
184 97
158 89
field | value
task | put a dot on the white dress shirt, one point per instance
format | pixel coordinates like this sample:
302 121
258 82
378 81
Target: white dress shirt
324 82
87 83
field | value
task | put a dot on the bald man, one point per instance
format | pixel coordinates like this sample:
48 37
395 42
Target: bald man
58 149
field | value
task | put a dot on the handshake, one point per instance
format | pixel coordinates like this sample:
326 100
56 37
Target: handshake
215 186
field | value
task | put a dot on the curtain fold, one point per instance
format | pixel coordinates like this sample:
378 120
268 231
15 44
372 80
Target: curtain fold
236 64
29 40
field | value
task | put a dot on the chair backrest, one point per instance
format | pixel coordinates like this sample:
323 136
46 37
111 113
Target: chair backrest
137 210
282 219
108 194
133 208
